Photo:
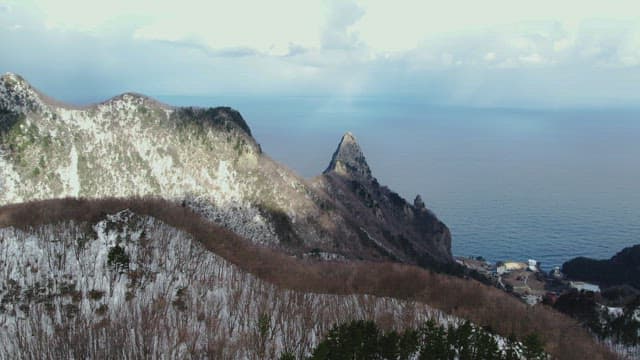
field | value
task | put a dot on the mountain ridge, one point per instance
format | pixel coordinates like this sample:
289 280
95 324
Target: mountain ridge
166 231
132 145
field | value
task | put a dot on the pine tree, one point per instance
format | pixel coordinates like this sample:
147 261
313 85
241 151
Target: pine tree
434 344
533 347
510 351
486 346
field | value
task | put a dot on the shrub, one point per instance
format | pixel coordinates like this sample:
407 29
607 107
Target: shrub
287 356
364 340
118 258
95 294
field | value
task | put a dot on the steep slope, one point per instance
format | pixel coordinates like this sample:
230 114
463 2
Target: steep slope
406 232
143 278
206 159
143 289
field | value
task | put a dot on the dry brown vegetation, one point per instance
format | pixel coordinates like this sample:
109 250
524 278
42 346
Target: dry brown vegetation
485 306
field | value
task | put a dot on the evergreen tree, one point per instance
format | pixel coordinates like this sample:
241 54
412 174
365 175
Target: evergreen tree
388 345
362 340
464 344
510 351
434 342
357 340
533 347
486 346
408 344
287 356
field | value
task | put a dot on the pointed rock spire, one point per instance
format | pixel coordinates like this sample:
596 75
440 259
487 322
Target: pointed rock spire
418 203
348 160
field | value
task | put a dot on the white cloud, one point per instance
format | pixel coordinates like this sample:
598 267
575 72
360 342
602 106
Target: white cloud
534 58
270 26
338 28
267 26
319 46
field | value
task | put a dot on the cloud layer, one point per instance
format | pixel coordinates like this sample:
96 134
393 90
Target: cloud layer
492 53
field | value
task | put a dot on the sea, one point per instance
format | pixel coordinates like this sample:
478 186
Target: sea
511 184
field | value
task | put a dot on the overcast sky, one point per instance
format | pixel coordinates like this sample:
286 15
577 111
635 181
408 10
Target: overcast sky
502 53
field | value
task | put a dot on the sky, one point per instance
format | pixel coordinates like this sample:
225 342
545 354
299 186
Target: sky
492 53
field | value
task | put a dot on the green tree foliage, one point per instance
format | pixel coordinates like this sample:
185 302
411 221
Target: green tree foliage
511 349
533 347
363 340
287 356
625 329
118 258
435 344
262 328
355 340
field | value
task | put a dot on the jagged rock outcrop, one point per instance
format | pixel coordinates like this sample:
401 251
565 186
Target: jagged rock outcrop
409 233
132 145
418 203
349 161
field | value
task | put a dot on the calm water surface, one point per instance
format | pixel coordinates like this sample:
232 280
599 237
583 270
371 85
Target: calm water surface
511 184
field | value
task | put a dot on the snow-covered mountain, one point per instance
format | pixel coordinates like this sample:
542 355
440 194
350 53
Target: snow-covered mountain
133 145
163 295
190 242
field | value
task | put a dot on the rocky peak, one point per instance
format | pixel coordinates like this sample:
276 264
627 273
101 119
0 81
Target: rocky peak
349 161
16 94
418 203
11 77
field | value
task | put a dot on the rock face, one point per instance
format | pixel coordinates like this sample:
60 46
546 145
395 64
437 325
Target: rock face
348 160
132 145
418 203
408 233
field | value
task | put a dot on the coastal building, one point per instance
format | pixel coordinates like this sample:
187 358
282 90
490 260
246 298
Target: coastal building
556 273
583 286
509 266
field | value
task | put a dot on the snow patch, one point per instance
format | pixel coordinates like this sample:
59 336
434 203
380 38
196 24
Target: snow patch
615 311
69 175
225 186
8 182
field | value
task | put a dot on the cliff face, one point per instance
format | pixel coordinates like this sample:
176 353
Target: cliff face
406 232
132 145
349 161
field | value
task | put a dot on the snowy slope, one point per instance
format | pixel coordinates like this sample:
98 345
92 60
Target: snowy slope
175 300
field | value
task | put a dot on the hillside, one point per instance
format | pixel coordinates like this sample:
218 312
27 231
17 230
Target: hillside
78 273
622 269
148 289
132 145
131 229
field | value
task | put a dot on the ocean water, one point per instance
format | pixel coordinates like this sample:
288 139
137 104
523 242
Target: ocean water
511 184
